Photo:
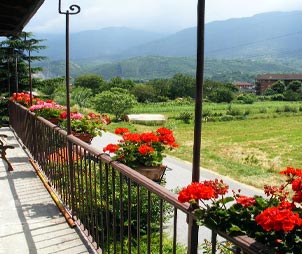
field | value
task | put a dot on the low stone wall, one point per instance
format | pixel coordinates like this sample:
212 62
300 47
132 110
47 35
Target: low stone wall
146 118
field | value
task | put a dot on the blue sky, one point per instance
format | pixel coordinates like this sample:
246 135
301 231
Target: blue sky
152 15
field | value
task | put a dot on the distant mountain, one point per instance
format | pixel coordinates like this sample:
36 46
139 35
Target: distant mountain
96 44
268 35
153 67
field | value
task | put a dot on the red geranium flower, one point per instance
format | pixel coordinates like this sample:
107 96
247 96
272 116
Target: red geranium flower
121 131
195 191
277 219
149 137
111 148
134 137
297 184
246 201
145 149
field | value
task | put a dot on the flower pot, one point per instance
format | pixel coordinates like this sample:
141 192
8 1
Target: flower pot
154 173
53 120
86 137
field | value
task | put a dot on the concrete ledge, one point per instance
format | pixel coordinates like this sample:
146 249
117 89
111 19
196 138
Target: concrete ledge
146 118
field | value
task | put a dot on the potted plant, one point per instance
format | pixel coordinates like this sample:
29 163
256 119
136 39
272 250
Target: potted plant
22 98
274 219
48 110
85 127
143 152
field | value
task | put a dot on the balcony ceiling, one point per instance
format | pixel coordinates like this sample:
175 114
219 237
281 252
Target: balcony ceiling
15 14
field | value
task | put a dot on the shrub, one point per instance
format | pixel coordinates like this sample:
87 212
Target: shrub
186 117
263 110
247 98
277 97
226 118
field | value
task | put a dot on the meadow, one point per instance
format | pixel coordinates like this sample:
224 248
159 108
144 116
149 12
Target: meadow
247 142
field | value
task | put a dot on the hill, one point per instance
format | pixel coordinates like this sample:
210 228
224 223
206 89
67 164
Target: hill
151 67
268 35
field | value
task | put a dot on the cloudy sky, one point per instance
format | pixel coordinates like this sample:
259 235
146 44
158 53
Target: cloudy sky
152 15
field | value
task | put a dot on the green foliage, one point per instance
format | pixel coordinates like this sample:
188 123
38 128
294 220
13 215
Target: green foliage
295 86
91 81
186 117
105 202
4 119
15 49
48 86
247 98
278 87
116 101
81 96
221 95
182 86
144 93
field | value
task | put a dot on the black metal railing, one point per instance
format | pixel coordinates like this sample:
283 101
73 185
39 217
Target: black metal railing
120 210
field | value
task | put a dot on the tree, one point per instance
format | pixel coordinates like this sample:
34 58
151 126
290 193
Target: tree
116 101
91 81
144 93
14 51
295 86
121 83
222 95
182 85
161 87
278 87
48 86
81 96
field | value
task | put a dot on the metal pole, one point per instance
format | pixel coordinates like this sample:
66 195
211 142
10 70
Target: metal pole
8 75
193 227
75 9
30 79
16 72
199 92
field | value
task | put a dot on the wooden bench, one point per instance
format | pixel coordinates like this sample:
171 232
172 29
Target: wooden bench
3 147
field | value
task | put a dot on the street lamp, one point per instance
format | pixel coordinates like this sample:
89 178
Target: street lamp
73 9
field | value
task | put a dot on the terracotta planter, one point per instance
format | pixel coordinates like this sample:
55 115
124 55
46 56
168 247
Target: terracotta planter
83 136
53 120
154 173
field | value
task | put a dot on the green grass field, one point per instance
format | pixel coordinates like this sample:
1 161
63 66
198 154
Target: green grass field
251 151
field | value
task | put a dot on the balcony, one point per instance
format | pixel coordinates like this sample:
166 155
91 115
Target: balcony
108 207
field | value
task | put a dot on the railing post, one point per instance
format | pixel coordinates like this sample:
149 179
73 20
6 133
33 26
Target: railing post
192 235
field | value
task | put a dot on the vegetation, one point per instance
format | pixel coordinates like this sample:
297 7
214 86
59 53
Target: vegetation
250 150
12 52
161 67
116 101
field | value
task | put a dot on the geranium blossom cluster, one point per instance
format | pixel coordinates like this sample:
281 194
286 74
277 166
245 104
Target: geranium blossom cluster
142 149
47 109
22 98
73 115
90 123
48 104
275 220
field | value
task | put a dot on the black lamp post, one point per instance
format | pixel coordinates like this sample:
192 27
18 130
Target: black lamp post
73 9
16 70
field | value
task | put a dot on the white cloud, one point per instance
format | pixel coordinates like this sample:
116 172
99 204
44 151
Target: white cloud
156 15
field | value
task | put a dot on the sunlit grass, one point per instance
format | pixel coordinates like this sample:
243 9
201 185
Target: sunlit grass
251 151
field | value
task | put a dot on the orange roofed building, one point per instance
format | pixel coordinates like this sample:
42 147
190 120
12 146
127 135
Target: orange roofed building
265 81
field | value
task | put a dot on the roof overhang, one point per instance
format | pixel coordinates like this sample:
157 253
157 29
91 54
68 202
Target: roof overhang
15 14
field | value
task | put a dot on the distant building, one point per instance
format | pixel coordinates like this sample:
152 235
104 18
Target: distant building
245 87
265 81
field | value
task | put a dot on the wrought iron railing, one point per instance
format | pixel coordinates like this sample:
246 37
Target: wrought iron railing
120 210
